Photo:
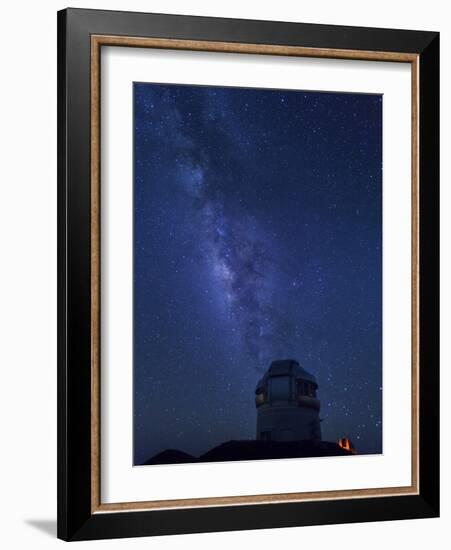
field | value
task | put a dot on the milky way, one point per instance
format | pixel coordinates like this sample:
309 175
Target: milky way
257 236
235 248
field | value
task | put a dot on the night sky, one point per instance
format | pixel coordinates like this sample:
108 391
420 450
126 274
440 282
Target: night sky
257 236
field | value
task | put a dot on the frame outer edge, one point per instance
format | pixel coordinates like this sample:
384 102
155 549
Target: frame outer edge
429 168
74 445
75 522
62 496
196 27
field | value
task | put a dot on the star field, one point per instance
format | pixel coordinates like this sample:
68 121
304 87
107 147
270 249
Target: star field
257 236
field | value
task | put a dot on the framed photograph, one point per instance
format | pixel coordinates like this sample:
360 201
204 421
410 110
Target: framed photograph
248 274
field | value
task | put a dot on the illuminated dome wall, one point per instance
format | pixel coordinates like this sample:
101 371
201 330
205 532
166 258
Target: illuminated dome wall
287 404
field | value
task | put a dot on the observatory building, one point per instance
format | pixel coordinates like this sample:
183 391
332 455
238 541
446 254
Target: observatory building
288 423
287 405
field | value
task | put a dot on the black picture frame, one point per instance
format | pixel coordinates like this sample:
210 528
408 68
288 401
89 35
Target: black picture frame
76 520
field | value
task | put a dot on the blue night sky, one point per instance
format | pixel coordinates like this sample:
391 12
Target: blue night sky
257 236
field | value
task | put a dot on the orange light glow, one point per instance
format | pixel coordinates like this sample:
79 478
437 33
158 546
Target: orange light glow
346 444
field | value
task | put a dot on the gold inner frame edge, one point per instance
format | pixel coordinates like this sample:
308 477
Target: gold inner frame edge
97 41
